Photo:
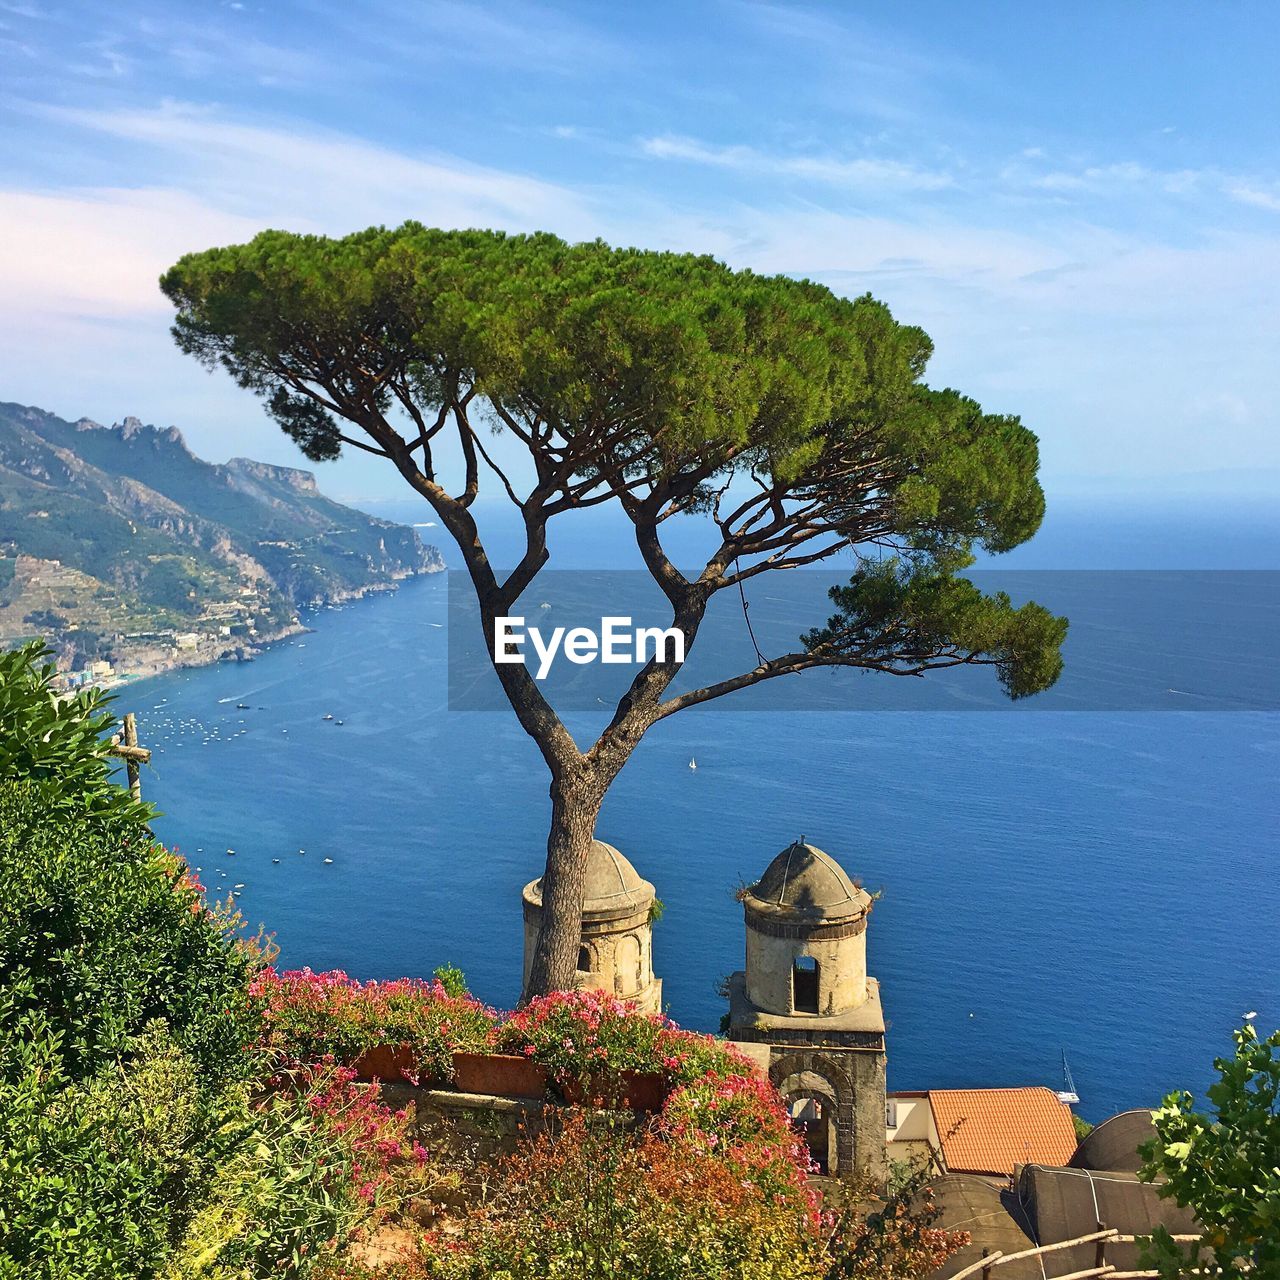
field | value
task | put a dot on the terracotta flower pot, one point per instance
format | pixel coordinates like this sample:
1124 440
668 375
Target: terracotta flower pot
385 1062
503 1074
581 1092
646 1090
639 1090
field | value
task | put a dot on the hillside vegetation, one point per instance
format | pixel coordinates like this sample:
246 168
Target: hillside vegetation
112 536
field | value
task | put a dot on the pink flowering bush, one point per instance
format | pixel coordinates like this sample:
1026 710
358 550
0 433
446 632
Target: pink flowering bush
308 1016
579 1035
741 1119
377 1157
589 1035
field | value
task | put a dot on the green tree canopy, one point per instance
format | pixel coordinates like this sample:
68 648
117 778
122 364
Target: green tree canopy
796 420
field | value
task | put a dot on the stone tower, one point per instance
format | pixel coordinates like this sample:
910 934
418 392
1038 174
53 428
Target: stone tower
616 954
806 994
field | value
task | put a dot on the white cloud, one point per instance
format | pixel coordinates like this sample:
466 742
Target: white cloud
99 253
1105 337
1123 176
1260 199
313 180
862 172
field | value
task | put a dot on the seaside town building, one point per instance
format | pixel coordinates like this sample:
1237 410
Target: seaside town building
985 1132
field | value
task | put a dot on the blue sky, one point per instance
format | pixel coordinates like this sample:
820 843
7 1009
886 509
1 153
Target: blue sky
1080 203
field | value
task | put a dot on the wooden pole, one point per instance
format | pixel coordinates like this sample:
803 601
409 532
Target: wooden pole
132 754
130 764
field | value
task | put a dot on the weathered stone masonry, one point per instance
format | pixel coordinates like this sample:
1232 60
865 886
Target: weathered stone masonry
805 993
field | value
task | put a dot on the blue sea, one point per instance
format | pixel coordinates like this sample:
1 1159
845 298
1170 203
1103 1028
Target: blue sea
1091 872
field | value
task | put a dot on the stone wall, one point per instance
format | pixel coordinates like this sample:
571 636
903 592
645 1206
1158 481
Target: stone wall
470 1125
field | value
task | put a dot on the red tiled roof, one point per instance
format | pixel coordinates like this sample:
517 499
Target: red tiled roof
990 1130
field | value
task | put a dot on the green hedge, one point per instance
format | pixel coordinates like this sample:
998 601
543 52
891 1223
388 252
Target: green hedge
100 934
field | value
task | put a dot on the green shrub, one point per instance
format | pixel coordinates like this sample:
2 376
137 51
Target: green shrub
102 931
56 742
97 1177
1224 1165
452 979
135 1139
280 1200
140 1173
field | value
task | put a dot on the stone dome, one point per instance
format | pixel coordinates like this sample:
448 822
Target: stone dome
613 886
804 881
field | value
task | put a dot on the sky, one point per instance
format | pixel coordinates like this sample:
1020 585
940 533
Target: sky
1080 203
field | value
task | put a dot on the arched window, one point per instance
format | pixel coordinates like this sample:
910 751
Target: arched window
584 959
804 985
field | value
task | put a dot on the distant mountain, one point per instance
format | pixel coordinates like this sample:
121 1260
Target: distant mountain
119 543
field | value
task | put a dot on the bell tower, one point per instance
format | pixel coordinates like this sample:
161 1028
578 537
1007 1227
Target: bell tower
805 993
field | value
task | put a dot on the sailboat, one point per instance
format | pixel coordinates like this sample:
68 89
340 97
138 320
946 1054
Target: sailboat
693 764
1069 1096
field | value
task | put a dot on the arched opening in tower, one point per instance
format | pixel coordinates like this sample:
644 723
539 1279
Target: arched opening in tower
804 985
811 1119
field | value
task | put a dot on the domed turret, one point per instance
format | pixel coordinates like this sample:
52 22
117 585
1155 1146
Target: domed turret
616 954
805 882
806 936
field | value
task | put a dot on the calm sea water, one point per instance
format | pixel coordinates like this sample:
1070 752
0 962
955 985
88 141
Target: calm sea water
1101 881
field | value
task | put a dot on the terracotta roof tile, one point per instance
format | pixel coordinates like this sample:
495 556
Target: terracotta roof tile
990 1130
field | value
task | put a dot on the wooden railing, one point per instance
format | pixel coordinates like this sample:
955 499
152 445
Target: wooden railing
1099 1239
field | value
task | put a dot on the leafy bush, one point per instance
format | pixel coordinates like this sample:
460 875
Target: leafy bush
301 1172
598 1200
134 1144
58 743
898 1239
1225 1166
93 1175
680 1199
139 1172
102 931
451 978
310 1015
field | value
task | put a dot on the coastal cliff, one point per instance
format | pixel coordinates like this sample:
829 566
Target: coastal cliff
130 553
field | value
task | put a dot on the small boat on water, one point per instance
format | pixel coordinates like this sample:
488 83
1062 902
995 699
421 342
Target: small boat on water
328 859
693 764
242 706
328 715
1069 1096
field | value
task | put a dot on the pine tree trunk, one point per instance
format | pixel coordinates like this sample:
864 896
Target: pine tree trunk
575 805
